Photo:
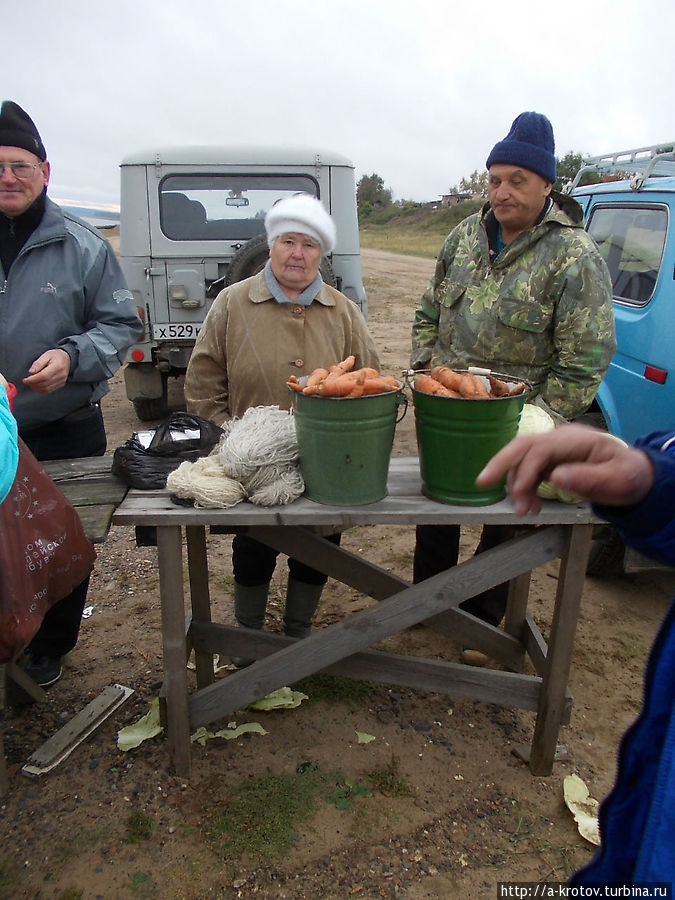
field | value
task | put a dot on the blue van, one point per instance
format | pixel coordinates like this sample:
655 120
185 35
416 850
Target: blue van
632 222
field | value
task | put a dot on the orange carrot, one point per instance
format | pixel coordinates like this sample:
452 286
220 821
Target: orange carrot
473 387
315 378
380 385
294 384
342 380
357 389
340 386
464 383
498 387
429 385
344 366
447 377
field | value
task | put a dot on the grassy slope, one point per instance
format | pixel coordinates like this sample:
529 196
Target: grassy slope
420 232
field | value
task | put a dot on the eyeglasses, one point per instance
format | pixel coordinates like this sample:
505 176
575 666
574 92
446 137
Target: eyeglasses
21 170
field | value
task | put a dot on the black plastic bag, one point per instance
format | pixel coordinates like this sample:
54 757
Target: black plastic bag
147 468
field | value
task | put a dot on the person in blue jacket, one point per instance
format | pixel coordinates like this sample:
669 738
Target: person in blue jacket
68 319
633 488
9 449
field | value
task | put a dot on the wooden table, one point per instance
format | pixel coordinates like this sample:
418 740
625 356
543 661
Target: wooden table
343 648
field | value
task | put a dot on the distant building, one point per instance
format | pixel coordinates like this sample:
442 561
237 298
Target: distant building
454 199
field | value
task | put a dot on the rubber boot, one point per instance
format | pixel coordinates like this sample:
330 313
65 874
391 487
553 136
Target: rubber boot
250 605
302 600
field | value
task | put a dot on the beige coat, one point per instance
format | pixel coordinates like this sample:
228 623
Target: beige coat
249 345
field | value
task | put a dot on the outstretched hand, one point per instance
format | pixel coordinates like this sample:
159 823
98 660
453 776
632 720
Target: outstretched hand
575 458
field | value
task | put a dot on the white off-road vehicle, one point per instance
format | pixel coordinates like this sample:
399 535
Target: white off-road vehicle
192 222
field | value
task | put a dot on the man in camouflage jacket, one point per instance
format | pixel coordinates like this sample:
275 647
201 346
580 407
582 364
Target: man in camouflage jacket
541 309
519 288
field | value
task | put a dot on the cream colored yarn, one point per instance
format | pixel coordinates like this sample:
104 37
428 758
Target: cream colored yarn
256 459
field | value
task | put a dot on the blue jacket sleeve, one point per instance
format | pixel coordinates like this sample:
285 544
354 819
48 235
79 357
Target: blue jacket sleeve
112 325
649 526
9 450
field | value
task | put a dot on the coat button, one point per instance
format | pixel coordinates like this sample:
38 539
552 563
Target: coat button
299 363
297 310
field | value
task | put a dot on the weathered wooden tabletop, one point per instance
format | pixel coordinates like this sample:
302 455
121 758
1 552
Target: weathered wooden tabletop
93 490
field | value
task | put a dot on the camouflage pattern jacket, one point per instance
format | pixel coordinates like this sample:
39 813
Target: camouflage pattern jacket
541 309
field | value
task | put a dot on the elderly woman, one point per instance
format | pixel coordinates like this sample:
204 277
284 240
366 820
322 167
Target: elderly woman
258 332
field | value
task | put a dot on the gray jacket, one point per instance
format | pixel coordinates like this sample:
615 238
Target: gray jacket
65 290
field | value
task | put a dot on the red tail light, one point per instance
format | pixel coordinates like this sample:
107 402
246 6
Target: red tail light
653 373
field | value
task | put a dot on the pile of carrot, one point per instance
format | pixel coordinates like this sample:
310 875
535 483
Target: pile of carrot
343 380
445 382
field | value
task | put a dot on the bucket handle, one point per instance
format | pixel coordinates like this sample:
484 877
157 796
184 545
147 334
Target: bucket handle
401 400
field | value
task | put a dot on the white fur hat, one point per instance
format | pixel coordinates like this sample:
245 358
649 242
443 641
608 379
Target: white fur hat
303 214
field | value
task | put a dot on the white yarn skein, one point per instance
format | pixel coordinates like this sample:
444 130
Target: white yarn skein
205 482
257 457
264 435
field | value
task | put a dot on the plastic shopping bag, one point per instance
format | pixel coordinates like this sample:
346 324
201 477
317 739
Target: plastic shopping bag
44 553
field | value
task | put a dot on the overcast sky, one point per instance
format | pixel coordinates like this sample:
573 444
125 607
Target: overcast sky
416 91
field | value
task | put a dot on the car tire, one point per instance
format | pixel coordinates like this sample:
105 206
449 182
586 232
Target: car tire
251 258
150 409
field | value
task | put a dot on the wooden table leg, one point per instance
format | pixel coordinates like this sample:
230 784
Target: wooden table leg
516 611
198 568
170 559
560 646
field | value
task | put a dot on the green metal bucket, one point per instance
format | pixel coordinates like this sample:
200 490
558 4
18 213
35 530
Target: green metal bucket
345 445
457 437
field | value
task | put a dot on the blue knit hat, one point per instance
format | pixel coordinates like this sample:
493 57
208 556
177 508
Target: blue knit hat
529 144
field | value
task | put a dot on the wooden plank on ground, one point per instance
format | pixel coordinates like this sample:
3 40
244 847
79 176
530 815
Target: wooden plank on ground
62 744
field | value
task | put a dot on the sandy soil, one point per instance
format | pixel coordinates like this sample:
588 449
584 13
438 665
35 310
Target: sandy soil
474 816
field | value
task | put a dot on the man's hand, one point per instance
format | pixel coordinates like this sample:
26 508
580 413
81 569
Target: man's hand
576 458
49 372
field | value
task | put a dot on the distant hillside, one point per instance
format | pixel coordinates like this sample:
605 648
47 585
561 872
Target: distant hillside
414 231
100 215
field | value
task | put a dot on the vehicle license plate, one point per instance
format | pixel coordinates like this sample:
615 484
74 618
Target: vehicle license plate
175 331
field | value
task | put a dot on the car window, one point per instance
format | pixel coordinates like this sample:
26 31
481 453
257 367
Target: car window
223 207
631 240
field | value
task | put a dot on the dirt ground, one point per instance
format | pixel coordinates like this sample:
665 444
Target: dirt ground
473 814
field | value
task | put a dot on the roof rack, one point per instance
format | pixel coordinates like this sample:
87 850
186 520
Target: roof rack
642 162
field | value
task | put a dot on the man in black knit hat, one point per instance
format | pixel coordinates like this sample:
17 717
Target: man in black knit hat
68 320
519 288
